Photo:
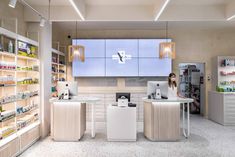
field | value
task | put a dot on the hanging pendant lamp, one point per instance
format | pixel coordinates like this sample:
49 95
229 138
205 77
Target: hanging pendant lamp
76 52
167 49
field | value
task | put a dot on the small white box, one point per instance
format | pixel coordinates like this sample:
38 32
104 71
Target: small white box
122 102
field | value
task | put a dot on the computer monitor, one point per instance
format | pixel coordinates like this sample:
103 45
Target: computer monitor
72 86
153 85
126 95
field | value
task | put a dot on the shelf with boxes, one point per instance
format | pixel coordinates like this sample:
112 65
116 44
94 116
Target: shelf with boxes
19 86
58 69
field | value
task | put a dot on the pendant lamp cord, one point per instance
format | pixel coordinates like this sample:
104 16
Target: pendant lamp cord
76 32
49 11
166 31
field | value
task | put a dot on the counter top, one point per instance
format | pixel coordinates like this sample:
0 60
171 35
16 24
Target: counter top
178 99
76 99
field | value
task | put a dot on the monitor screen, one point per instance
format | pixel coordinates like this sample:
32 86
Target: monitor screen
126 95
121 58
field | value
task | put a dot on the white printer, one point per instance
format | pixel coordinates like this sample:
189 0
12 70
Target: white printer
122 99
123 102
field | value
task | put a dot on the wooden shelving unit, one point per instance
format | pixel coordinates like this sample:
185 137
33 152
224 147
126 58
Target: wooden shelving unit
19 90
59 72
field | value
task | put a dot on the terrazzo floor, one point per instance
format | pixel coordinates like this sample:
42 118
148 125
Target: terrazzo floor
208 139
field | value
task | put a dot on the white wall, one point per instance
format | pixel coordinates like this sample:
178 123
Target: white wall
8 15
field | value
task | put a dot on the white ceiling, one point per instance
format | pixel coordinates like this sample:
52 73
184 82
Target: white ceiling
46 2
199 2
135 10
129 2
121 2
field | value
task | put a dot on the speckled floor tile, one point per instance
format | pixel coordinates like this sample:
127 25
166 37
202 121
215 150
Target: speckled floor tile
207 139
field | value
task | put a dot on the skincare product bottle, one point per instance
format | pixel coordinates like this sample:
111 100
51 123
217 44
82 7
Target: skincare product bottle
10 47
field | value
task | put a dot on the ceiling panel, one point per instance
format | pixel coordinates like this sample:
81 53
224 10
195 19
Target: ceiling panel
46 2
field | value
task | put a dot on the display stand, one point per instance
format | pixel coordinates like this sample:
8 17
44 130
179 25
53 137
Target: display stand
221 108
19 94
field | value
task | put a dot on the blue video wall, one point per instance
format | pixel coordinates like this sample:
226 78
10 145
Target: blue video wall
121 58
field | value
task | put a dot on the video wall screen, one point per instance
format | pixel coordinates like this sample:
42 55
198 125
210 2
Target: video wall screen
121 58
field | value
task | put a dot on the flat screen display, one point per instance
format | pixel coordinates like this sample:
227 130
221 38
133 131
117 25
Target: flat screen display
121 58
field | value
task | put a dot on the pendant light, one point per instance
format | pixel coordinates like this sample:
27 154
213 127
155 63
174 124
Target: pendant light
167 49
76 52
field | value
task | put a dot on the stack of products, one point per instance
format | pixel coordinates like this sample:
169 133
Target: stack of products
228 62
21 110
54 59
26 120
26 94
62 62
6 131
54 69
28 68
25 49
61 79
7 115
61 71
27 80
225 88
7 99
7 65
7 80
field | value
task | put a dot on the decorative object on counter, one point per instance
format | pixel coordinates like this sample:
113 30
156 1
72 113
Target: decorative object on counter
76 51
27 80
25 49
167 49
7 80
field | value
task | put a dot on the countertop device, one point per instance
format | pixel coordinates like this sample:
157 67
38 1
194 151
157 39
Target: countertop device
157 89
122 99
67 89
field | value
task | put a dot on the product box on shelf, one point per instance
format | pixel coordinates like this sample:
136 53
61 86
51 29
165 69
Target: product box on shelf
25 49
7 80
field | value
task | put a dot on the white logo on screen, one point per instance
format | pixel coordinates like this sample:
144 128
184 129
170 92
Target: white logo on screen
121 56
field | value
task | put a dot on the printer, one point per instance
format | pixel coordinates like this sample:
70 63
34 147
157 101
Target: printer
122 101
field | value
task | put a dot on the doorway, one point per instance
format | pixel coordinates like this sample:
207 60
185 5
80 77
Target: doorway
192 85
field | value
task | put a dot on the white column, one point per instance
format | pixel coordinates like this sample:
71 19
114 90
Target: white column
45 59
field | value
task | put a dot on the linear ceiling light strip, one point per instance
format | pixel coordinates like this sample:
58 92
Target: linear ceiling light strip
161 10
76 9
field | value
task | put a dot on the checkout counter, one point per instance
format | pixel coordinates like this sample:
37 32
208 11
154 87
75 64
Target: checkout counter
162 119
